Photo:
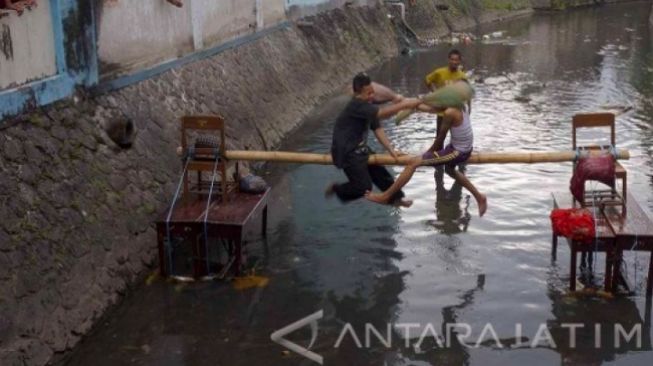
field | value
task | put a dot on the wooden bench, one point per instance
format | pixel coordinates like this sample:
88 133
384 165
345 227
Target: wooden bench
228 221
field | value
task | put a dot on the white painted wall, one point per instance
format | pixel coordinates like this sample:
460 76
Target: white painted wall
224 20
302 8
26 47
274 12
134 34
137 33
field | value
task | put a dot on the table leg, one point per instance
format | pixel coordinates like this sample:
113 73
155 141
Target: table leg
265 221
607 283
237 240
572 275
238 259
160 236
198 262
649 283
616 269
583 262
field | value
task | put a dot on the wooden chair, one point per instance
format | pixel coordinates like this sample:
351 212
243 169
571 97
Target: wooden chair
598 120
207 125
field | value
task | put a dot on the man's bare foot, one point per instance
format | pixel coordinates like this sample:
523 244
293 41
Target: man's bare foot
482 205
330 190
404 203
177 3
376 197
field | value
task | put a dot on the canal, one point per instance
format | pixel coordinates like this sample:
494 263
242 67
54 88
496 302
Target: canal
435 272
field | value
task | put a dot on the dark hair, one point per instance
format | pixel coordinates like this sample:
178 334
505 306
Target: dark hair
455 52
361 80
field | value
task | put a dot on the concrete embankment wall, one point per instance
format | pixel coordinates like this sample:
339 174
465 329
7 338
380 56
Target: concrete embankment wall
77 209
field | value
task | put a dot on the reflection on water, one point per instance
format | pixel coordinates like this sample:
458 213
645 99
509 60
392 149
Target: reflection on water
436 263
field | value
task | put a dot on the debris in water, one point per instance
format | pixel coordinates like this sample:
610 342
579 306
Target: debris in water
151 278
247 282
498 34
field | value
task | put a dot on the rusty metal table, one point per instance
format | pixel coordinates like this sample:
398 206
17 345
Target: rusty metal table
225 220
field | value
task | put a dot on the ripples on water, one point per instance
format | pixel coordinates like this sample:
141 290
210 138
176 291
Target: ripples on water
438 262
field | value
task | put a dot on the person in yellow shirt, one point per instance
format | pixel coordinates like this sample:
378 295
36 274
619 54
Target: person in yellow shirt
448 74
444 76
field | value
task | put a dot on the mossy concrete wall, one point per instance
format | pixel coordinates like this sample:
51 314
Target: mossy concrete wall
432 19
568 4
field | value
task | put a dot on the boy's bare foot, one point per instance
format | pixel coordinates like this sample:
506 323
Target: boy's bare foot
482 205
17 7
177 3
376 197
330 191
404 203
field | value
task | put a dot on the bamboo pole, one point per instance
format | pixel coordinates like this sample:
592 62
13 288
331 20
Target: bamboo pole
521 157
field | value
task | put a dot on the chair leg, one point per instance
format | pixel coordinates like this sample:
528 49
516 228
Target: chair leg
624 188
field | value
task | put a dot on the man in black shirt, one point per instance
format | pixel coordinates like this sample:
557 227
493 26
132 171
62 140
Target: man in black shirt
349 149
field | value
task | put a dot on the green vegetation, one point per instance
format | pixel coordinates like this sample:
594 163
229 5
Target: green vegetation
505 4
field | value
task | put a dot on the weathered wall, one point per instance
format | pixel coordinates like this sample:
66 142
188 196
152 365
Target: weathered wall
136 34
566 4
274 11
222 21
77 210
431 19
302 8
26 47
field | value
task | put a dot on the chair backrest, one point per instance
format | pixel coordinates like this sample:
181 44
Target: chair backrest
206 123
589 120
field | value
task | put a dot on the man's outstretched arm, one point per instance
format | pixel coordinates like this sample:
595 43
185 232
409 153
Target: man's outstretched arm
383 139
391 110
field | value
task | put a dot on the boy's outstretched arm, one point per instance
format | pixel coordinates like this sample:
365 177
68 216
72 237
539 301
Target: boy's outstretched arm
438 144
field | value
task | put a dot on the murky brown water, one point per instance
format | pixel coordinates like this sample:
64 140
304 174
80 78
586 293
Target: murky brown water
436 263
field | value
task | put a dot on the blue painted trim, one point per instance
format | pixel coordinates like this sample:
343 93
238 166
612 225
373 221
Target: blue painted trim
139 76
57 30
92 68
37 93
62 84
